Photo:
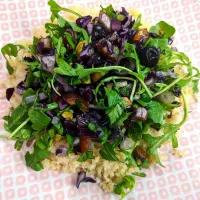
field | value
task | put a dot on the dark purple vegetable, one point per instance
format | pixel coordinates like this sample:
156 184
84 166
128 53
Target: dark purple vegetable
62 104
50 113
83 21
55 120
90 27
63 82
80 178
30 142
174 48
42 96
95 60
87 132
48 62
153 35
139 114
21 88
44 47
70 128
177 92
43 105
131 33
103 122
106 49
86 53
127 24
29 59
150 79
61 151
87 93
89 179
45 54
115 25
105 20
140 154
124 12
90 117
149 56
98 32
170 40
73 35
9 93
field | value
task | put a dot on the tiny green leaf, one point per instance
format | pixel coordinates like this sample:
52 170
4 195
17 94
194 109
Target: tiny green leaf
168 30
87 155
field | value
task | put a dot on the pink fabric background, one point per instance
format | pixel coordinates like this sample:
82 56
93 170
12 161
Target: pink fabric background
180 180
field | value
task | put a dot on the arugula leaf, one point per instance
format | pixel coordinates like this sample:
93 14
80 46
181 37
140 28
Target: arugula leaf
155 142
108 153
76 28
161 43
92 127
195 86
155 112
106 133
39 119
116 105
113 97
87 155
61 21
9 68
18 145
18 116
33 159
114 113
55 9
109 11
12 50
168 30
69 39
70 142
128 182
124 116
137 23
158 160
174 141
141 174
131 52
64 68
128 158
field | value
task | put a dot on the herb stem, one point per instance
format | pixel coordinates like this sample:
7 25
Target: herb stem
133 90
18 128
109 79
185 109
52 85
119 68
66 10
169 86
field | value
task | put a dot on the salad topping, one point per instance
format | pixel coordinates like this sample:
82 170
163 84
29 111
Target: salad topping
99 80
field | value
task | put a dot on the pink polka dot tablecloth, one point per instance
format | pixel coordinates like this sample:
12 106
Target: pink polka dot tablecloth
179 180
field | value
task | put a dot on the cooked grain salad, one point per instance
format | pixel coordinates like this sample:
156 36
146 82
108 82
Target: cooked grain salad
97 94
